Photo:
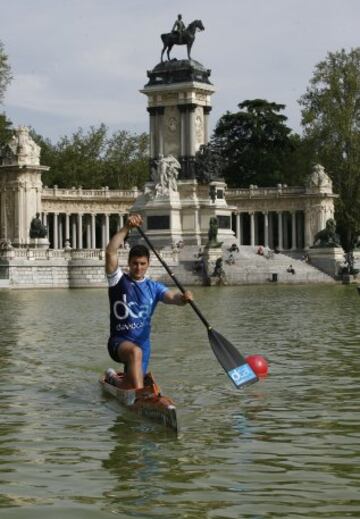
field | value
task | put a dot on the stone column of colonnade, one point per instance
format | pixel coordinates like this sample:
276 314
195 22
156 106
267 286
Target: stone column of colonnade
79 229
281 229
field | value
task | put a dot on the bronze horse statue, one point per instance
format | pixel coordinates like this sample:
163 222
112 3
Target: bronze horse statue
170 39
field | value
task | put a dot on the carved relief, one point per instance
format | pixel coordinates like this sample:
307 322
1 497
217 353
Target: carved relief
172 131
199 126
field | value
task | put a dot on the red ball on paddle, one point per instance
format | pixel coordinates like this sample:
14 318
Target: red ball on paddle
258 364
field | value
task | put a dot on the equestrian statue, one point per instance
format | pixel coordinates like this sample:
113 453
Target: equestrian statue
180 36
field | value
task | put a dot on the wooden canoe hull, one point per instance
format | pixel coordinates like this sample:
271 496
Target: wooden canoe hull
147 402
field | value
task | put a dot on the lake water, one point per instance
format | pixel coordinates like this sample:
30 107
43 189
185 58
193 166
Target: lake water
286 447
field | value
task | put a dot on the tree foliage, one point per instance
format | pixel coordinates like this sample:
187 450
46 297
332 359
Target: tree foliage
92 159
5 72
331 120
255 144
5 78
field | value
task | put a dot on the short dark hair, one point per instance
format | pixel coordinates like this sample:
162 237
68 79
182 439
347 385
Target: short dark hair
139 251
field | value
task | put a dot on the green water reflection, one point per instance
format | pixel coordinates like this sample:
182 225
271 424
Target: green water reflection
285 447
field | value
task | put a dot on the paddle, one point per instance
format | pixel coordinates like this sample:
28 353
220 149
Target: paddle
228 356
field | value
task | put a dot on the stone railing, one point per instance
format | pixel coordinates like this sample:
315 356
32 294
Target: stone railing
264 192
96 194
169 255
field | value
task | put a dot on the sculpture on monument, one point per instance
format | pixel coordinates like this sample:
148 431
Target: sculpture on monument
327 237
37 229
179 27
164 173
21 150
212 234
319 178
180 37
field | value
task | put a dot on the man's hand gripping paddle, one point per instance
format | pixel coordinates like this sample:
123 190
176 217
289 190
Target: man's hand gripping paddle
228 356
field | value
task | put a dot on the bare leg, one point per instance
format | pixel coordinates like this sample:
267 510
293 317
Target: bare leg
131 355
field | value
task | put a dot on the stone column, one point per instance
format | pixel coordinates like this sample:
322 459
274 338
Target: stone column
252 229
152 112
183 130
280 230
307 217
266 229
103 232
55 231
45 219
293 231
107 229
67 226
160 123
191 133
3 227
238 228
61 233
93 231
80 231
257 223
271 230
121 222
73 232
88 232
207 110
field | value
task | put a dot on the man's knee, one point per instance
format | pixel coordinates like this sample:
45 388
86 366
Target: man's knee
130 352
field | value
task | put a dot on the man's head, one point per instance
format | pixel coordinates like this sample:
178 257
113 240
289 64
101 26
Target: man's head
179 16
138 261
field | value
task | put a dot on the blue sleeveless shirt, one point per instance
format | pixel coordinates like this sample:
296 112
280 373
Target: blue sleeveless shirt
132 304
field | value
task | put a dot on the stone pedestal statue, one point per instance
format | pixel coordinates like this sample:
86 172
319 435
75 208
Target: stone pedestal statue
175 207
20 187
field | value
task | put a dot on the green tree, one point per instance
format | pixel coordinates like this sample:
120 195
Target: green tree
127 160
75 161
92 159
255 144
5 78
331 120
5 72
5 130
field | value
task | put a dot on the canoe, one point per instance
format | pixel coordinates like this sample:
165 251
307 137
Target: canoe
147 402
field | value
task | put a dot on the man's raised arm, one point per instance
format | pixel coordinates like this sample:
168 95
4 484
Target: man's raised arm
111 253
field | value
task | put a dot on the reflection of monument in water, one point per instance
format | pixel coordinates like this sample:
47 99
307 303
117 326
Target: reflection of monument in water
174 205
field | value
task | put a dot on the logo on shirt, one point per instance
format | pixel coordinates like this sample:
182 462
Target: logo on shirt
123 309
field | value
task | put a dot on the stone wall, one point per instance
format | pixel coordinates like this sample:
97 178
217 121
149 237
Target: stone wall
26 268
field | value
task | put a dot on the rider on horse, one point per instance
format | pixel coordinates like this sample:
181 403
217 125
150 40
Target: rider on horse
179 27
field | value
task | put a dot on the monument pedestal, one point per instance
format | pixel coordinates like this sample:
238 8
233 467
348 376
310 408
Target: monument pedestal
39 243
328 259
184 215
211 256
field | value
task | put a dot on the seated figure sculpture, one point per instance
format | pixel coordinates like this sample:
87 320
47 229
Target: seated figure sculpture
37 229
327 237
212 234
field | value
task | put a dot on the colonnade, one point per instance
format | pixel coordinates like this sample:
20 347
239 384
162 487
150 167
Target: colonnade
80 230
273 229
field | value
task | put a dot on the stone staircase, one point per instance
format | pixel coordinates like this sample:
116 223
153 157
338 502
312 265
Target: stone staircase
249 268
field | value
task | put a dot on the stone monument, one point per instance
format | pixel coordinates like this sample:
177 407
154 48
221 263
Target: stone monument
179 102
326 252
20 187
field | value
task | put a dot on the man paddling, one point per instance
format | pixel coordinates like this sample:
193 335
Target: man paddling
133 299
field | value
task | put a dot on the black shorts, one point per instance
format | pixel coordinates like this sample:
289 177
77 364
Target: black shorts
113 344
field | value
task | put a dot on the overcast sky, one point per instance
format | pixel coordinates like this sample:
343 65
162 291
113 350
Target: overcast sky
78 63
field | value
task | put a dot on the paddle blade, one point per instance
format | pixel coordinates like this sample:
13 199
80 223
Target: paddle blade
231 360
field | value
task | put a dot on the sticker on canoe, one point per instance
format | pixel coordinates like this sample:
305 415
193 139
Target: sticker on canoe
242 375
